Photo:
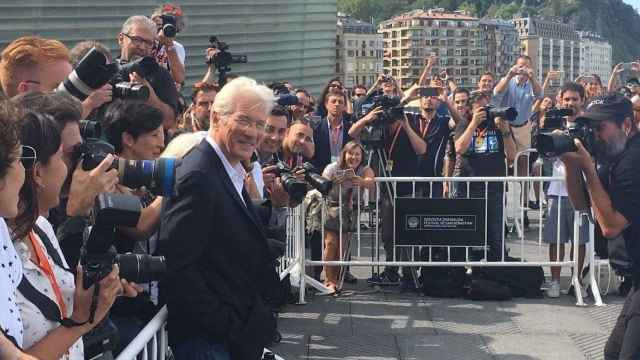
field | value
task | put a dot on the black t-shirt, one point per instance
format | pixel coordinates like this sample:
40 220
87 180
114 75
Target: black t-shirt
624 190
485 156
404 158
436 135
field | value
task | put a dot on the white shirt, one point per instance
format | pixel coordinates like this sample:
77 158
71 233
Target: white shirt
36 326
236 173
256 174
558 188
10 276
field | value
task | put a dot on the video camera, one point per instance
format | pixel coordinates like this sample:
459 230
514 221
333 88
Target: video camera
283 96
555 138
223 59
98 255
297 189
93 71
392 110
157 176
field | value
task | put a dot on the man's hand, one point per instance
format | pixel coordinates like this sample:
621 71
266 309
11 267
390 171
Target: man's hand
96 99
579 158
153 98
515 70
279 196
86 185
479 116
165 40
502 125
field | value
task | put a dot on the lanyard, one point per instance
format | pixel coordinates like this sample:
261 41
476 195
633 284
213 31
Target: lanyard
393 142
45 267
424 129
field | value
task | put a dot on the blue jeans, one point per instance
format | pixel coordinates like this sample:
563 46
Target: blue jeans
200 349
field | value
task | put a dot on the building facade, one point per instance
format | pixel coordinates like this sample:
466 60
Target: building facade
284 40
503 45
358 52
595 55
454 37
552 45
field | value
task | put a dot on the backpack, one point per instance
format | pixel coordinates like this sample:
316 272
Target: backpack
443 281
522 281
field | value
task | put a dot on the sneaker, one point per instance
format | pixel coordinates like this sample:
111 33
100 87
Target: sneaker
553 291
387 278
349 278
534 205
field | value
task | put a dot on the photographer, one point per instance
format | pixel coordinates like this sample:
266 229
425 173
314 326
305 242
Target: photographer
136 40
169 53
482 148
81 187
32 63
45 271
100 96
298 145
402 146
614 199
202 97
560 219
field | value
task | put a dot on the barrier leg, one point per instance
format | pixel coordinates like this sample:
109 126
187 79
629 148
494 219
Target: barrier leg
591 257
575 278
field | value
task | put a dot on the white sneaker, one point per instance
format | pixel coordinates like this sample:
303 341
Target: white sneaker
554 290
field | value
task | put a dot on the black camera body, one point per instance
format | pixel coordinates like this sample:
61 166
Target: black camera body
169 25
551 143
554 118
90 129
98 255
507 113
392 110
124 89
297 189
223 58
157 176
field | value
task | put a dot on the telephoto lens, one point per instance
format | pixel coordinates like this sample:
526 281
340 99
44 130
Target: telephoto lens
91 73
156 175
141 268
317 181
130 91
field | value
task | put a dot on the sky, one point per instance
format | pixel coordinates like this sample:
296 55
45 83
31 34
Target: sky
634 3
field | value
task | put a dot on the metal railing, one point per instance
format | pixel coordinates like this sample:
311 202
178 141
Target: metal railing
366 247
151 343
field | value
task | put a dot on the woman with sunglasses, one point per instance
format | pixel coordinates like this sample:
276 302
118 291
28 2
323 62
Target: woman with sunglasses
349 174
45 271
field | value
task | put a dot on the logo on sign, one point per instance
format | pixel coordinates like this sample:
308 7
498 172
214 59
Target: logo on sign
413 222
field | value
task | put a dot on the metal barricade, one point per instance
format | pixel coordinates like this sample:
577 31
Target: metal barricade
365 245
151 343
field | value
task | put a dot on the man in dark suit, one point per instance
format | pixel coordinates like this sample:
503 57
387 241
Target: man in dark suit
219 272
332 132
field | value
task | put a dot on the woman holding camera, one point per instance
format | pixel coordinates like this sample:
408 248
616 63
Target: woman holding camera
48 283
348 174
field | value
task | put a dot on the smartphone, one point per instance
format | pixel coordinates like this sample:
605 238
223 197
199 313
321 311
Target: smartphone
429 91
349 173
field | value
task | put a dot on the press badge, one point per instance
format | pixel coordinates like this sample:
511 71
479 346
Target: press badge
389 165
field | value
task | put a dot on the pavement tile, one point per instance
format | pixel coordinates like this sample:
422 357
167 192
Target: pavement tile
528 347
292 346
468 317
361 347
443 347
547 316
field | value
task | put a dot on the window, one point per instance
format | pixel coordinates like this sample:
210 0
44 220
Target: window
350 43
372 53
372 43
350 53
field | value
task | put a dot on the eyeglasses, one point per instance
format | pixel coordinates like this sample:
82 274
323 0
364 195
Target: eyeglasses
335 86
28 156
359 95
139 41
245 124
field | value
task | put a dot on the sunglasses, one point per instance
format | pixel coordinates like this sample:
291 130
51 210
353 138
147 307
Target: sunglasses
28 156
336 86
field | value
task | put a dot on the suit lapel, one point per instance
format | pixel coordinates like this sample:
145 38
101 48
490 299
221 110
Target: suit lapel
221 173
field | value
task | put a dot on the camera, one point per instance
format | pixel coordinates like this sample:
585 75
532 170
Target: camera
554 118
129 90
283 96
91 73
98 254
223 58
157 176
507 113
169 25
90 129
296 188
392 110
557 142
123 89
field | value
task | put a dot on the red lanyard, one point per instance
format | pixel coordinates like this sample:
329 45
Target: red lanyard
43 264
424 128
393 142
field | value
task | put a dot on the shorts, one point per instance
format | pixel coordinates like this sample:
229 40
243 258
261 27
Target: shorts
522 137
567 214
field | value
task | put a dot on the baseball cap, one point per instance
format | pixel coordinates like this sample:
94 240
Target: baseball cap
611 106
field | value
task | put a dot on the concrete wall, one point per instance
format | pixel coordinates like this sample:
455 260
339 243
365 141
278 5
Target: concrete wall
283 39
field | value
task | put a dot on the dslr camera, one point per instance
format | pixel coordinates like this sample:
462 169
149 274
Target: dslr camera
94 71
98 255
392 110
297 189
169 25
157 176
556 139
507 113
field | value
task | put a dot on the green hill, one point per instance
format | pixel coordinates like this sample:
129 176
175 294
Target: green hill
616 21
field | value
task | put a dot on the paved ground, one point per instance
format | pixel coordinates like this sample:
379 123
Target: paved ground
369 324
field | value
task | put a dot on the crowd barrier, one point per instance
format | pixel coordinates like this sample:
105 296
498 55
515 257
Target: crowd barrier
364 247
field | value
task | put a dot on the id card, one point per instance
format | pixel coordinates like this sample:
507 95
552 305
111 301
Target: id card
389 166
